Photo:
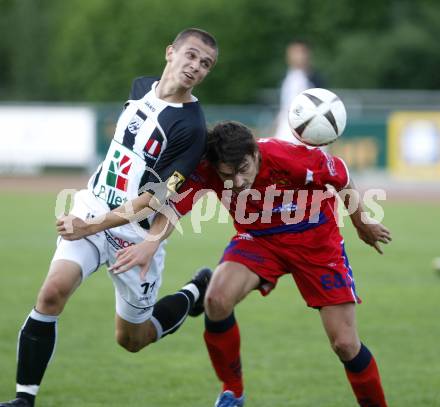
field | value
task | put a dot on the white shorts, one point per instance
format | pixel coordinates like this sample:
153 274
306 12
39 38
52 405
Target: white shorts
134 298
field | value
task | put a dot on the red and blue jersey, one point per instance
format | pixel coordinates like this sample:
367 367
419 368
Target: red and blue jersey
289 193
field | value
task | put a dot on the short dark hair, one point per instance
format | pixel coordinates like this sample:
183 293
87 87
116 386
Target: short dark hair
230 142
204 36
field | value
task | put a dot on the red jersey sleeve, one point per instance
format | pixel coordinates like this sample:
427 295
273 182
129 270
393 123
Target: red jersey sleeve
191 191
302 165
331 170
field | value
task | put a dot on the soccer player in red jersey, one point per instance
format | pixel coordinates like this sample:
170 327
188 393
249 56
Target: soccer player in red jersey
285 219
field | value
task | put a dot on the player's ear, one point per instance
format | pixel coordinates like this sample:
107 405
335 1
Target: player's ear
169 53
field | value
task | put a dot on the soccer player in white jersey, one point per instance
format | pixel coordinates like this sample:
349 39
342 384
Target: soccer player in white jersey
159 140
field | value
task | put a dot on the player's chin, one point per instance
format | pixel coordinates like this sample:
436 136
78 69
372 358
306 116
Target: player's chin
239 190
187 83
191 82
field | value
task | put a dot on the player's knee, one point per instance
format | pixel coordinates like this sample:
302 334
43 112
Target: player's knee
218 305
345 348
130 343
51 299
132 346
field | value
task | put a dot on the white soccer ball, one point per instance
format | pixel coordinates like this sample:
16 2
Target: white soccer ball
436 264
317 117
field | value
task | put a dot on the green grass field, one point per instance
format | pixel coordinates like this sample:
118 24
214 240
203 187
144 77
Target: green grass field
286 358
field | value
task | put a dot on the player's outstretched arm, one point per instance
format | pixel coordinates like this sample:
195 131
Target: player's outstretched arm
69 227
368 230
142 253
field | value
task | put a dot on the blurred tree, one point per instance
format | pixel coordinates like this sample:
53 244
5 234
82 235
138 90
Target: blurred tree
5 49
90 50
26 28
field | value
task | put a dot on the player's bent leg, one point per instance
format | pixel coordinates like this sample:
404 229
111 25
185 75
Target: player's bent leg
134 337
340 325
230 283
63 278
201 280
171 311
360 366
137 327
37 337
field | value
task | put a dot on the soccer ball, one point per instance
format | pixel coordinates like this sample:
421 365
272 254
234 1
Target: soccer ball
317 117
436 264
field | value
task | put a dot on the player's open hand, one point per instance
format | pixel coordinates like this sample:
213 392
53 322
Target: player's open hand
372 233
140 254
70 227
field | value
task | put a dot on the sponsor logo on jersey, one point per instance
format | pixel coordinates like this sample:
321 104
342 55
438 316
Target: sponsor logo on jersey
110 196
117 173
335 281
132 129
245 236
150 106
175 181
152 148
117 242
289 207
116 179
135 124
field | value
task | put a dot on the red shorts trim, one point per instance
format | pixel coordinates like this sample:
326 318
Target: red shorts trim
316 259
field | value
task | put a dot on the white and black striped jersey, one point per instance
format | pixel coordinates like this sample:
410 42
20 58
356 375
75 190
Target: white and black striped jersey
155 142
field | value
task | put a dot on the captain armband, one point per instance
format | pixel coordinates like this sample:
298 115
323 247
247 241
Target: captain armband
174 183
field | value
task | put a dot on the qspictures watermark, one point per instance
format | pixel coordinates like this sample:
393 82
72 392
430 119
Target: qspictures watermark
276 206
